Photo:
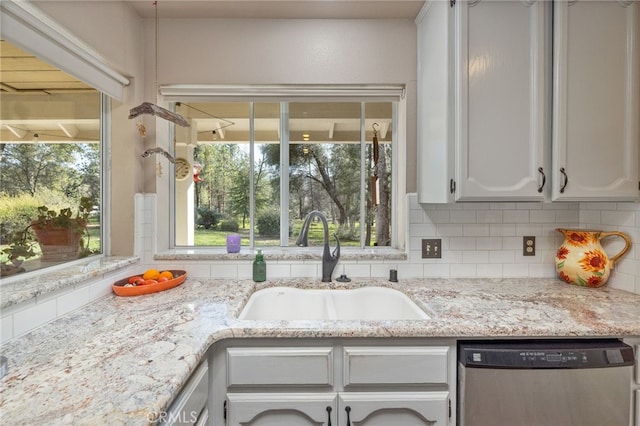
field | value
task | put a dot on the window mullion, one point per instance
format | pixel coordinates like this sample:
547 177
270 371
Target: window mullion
284 174
252 195
363 174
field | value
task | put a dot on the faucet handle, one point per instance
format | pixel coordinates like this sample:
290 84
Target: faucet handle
336 251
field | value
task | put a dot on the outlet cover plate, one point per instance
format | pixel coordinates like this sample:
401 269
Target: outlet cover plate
432 248
528 246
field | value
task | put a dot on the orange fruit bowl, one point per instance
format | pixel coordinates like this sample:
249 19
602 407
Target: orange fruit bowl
119 286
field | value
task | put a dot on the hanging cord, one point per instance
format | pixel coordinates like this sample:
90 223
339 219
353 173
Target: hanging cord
155 5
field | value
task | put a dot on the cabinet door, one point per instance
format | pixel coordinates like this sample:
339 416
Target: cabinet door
502 64
393 408
281 409
596 100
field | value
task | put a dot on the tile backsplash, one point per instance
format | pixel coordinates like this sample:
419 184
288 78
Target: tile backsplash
486 239
483 240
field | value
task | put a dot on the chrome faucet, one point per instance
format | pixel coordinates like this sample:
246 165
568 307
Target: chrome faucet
329 260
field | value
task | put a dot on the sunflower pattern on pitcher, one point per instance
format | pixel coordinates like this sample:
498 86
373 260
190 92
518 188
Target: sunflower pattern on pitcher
581 239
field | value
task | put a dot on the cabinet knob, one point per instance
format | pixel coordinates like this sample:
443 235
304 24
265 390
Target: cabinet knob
328 415
348 410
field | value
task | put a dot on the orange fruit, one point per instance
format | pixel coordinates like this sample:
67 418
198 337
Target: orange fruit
151 274
167 274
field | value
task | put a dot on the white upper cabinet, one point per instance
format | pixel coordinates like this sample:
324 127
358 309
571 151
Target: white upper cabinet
501 93
483 79
596 103
510 105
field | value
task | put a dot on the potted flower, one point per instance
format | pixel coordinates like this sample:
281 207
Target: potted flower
59 233
20 248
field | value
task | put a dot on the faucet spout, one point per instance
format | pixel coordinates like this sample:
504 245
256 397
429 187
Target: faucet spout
329 259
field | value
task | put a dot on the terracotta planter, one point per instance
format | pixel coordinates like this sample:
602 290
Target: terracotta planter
60 244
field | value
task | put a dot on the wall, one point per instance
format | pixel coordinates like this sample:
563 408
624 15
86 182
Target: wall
116 35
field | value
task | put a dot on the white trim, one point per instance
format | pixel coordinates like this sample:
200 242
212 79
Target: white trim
198 92
29 28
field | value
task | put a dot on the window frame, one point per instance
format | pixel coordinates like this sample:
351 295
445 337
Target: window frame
28 27
172 94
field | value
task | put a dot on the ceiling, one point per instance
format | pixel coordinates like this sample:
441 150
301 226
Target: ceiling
283 9
23 73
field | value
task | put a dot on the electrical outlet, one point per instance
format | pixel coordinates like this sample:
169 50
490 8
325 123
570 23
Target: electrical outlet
529 246
432 248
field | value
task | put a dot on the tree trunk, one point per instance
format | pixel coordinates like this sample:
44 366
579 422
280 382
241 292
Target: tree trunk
383 232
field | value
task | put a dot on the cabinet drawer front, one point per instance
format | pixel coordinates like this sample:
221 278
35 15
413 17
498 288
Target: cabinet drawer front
279 366
395 365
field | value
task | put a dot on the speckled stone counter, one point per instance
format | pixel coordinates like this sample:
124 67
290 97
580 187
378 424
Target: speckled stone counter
123 360
17 289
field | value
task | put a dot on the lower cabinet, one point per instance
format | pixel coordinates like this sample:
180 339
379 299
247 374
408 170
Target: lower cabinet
331 382
343 408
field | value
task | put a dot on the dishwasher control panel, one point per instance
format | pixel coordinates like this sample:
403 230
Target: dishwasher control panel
574 353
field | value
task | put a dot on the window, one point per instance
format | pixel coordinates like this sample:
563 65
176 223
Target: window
51 149
258 168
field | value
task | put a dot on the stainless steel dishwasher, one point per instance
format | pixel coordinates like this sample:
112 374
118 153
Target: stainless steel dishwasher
544 383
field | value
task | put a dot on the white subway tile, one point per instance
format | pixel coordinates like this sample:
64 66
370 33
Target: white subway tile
463 271
437 216
489 270
357 270
453 230
475 257
463 216
412 270
515 270
423 230
475 230
489 243
277 270
515 216
542 216
502 256
460 243
441 270
35 316
304 270
489 216
528 229
73 300
617 218
502 230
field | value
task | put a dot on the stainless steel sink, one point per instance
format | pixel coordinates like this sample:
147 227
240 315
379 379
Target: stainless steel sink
367 303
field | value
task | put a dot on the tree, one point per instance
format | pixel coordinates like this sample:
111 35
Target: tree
26 167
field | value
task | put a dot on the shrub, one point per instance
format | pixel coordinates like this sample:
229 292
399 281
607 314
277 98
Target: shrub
268 223
16 214
207 218
228 225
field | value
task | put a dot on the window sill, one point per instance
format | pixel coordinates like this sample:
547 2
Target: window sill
18 289
282 253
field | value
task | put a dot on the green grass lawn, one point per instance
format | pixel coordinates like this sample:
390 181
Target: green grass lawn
204 237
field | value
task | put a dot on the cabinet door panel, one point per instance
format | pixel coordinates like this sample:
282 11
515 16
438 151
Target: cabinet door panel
393 408
281 409
596 100
502 66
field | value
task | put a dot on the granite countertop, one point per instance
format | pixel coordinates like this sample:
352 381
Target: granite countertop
122 360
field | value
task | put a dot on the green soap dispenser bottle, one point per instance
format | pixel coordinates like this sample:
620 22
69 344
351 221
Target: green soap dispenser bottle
259 268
